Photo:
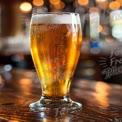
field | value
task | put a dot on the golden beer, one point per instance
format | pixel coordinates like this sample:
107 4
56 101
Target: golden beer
55 50
55 42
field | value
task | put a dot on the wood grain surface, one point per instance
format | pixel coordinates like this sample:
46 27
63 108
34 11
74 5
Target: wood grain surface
102 102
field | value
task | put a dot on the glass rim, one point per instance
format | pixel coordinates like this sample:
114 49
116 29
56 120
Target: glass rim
37 13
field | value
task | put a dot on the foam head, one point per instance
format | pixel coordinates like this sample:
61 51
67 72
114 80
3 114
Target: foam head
55 19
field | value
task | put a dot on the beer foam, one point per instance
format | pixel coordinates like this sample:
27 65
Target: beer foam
55 19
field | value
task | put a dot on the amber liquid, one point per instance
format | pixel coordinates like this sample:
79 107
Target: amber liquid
55 50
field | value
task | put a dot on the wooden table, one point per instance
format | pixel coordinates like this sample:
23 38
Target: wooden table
101 102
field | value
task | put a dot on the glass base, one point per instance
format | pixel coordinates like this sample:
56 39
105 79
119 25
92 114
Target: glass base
55 105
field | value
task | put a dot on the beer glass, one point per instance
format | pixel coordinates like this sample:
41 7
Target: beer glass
55 42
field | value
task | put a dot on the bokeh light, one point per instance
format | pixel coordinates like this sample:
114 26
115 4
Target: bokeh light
100 28
117 31
101 0
120 1
25 7
59 6
114 5
104 5
83 2
38 2
54 2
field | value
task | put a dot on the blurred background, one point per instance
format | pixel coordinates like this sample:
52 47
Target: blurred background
101 52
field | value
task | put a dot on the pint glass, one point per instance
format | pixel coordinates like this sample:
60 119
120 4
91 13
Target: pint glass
55 42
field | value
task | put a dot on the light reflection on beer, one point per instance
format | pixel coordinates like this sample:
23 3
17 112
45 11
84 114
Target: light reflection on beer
102 92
